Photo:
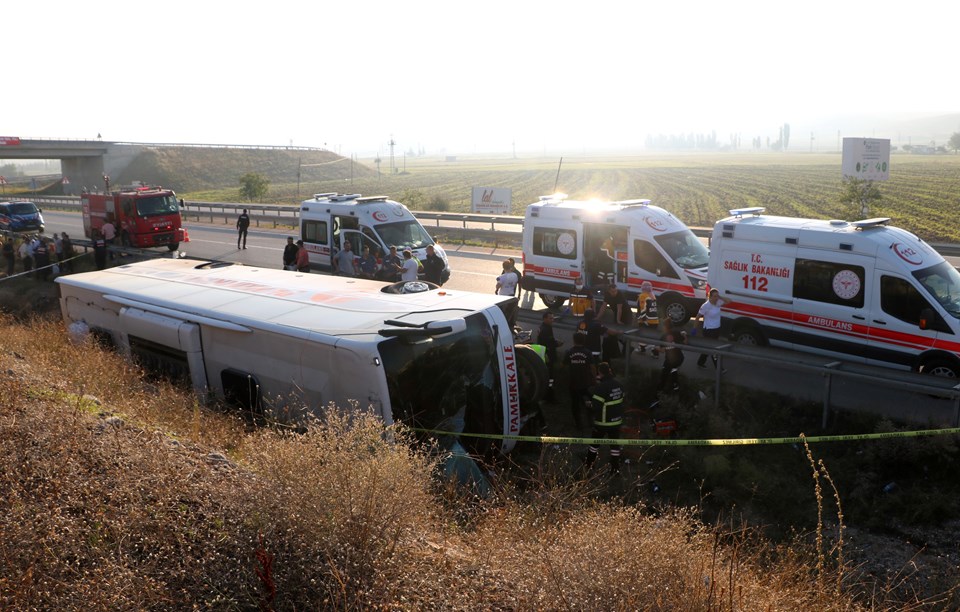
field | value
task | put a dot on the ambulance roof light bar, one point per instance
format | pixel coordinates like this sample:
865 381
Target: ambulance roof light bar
344 197
868 223
756 211
631 203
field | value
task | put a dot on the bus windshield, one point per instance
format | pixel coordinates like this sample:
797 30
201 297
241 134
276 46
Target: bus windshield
684 248
157 205
404 235
942 283
450 383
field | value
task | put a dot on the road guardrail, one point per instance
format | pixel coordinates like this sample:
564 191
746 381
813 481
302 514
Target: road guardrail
460 226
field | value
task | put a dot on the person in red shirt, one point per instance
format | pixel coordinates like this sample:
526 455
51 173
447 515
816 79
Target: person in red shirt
303 258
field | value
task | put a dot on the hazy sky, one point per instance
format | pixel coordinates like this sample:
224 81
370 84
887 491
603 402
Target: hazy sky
464 76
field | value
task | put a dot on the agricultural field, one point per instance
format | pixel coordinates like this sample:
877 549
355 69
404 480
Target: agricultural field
922 195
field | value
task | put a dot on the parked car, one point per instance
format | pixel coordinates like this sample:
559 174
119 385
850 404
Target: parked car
20 217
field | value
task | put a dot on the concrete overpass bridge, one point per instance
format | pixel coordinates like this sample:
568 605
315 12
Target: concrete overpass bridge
83 162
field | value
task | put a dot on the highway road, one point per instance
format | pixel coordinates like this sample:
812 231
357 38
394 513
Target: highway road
476 269
473 269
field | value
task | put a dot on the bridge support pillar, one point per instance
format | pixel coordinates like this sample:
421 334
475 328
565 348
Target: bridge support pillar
82 172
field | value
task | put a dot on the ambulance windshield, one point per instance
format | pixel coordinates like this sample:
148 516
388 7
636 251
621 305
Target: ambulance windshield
156 205
450 383
684 248
942 282
404 235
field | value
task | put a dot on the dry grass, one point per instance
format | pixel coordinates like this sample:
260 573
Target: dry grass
146 501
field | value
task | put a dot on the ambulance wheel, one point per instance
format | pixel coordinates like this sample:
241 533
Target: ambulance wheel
173 246
940 367
674 309
553 302
749 334
532 376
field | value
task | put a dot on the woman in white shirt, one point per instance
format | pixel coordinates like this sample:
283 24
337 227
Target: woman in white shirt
708 319
410 267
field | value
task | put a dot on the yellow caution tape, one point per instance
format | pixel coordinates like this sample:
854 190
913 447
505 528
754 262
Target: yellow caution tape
715 442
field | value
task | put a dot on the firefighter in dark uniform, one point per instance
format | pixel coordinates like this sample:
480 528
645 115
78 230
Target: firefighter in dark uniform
581 375
607 404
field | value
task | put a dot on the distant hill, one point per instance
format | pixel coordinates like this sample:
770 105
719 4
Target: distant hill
192 169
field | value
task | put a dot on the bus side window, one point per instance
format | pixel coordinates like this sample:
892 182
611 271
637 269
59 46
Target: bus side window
242 390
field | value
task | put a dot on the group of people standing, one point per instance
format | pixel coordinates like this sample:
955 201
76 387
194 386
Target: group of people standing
591 383
390 268
38 254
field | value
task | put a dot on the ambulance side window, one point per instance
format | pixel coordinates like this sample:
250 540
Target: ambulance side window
828 282
315 232
646 255
555 242
900 299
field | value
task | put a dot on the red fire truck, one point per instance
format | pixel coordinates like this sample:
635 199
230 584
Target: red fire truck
142 216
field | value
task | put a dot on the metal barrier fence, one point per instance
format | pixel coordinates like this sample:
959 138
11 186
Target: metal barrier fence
929 392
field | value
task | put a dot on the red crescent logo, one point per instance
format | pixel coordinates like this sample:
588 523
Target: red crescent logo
380 216
907 253
655 224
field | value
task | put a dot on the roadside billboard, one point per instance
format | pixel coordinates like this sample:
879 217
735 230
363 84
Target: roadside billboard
491 200
866 158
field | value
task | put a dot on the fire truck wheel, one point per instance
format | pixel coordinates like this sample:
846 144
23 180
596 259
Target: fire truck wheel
532 376
173 246
553 302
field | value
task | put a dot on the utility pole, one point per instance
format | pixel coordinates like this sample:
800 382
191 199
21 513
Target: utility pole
393 168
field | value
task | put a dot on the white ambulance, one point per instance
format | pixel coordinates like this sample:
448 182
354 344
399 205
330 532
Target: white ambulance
626 242
862 291
329 220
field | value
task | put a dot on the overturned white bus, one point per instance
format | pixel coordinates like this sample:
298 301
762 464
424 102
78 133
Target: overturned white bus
292 344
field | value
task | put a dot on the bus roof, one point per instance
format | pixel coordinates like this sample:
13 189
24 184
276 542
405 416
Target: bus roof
261 298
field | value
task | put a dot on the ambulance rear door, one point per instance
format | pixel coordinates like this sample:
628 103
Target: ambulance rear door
756 280
556 256
316 233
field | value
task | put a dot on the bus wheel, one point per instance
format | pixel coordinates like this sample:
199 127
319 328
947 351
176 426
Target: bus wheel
749 334
532 377
940 367
673 309
553 302
173 246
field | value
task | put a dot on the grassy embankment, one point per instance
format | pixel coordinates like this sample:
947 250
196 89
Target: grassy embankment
121 493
